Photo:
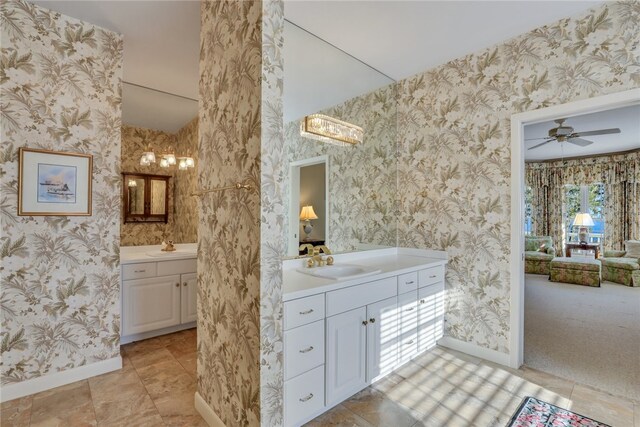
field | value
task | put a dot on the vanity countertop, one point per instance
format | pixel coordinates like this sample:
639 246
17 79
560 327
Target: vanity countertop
392 262
151 253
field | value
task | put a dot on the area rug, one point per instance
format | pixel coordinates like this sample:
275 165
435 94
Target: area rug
537 413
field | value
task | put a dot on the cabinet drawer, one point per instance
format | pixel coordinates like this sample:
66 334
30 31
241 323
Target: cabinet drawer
303 396
138 271
407 282
178 266
408 311
303 311
431 275
360 295
303 349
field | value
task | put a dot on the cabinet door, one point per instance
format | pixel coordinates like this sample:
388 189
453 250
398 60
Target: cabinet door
189 300
150 304
382 338
408 313
429 317
346 354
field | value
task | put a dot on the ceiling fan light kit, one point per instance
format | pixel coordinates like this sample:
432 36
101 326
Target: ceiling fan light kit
563 133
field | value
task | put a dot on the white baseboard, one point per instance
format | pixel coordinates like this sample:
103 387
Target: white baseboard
151 334
475 350
207 413
57 379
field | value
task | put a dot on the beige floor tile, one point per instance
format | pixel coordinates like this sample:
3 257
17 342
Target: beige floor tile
16 413
116 386
165 378
178 409
602 406
64 406
189 362
549 382
376 408
143 359
338 416
180 348
138 409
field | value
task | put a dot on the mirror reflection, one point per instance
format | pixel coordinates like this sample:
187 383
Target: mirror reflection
349 183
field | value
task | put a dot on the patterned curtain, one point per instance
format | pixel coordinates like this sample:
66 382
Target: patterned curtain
621 176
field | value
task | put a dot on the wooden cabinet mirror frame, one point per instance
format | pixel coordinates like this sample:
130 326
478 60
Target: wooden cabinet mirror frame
146 197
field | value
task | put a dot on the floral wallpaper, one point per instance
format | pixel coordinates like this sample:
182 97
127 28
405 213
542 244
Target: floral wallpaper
60 82
185 207
454 139
181 227
239 273
362 178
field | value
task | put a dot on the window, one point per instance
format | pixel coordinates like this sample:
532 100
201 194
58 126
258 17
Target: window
528 212
584 198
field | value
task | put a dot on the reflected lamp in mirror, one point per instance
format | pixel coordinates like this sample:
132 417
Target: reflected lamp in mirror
306 215
584 221
332 131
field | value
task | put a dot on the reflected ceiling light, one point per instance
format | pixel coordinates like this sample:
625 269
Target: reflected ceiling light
171 158
330 130
164 162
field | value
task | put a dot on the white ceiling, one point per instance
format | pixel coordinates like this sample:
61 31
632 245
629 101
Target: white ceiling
399 38
403 38
627 119
161 51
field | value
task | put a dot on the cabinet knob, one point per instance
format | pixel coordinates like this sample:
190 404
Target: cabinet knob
184 284
364 323
308 397
372 320
422 301
177 285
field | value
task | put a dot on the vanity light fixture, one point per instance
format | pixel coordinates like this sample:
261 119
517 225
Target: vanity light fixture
330 130
164 162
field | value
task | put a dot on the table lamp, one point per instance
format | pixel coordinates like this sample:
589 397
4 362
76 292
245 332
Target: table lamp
583 220
306 215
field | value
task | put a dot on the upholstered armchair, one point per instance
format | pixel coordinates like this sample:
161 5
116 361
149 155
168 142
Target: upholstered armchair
538 253
620 267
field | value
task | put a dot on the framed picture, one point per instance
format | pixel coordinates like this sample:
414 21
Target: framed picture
52 183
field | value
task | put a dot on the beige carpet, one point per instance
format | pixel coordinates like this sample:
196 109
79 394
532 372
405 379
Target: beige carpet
589 335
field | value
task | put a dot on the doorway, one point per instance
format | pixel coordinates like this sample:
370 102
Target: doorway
309 186
518 121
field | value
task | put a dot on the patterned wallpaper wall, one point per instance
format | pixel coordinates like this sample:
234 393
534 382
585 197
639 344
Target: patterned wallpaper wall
181 227
61 83
239 273
454 139
362 178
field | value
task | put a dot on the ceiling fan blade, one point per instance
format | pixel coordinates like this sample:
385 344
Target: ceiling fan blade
597 132
540 145
579 141
533 139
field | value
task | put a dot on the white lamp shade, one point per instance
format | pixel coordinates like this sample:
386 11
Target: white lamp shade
171 158
307 213
164 162
583 220
190 162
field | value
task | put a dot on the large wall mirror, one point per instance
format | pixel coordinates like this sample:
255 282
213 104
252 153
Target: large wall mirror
344 195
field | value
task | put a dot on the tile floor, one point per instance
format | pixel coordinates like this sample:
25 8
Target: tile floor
155 387
442 388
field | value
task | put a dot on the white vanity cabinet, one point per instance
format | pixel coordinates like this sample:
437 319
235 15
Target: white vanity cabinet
157 298
366 331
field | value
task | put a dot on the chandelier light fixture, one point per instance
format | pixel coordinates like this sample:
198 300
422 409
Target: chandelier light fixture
331 131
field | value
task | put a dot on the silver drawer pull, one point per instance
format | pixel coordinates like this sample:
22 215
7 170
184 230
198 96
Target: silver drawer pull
139 271
409 283
410 309
307 312
409 343
306 350
433 277
308 397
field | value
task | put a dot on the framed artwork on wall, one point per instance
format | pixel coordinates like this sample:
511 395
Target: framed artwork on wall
52 183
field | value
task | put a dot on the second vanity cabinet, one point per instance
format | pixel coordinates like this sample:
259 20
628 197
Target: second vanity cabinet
356 335
157 298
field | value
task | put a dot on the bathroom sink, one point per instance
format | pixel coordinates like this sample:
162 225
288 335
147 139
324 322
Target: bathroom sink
340 271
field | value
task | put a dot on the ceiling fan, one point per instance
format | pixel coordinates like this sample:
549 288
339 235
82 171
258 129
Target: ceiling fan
563 133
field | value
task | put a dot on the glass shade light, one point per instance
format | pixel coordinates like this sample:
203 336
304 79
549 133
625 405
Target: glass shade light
182 163
132 183
151 157
190 162
171 158
164 162
144 161
307 213
330 130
